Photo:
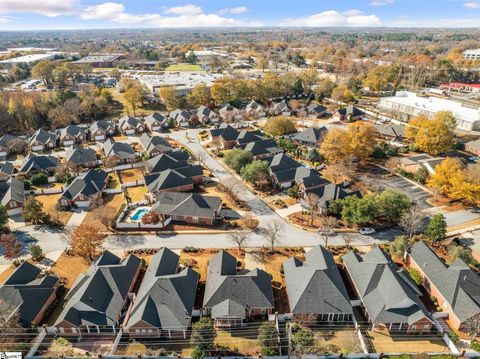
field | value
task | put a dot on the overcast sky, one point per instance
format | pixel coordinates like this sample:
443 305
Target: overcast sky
81 14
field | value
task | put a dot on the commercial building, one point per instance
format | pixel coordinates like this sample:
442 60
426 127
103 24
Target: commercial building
408 105
100 60
472 54
28 59
182 81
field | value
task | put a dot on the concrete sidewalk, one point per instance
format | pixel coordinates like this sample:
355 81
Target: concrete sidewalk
77 218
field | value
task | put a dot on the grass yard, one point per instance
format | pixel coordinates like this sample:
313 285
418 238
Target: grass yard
137 194
114 181
344 341
184 67
246 345
383 342
110 208
211 190
200 261
50 205
69 267
135 174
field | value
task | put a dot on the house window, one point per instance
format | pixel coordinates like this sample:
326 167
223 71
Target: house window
195 219
413 328
426 328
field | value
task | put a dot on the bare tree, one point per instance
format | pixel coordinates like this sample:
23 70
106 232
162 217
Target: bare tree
312 202
271 233
201 157
239 238
9 323
472 326
348 240
412 220
86 240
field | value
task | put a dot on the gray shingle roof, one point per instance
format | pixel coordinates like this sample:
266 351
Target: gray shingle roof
187 204
166 297
126 121
225 131
392 130
26 293
38 163
79 156
315 286
42 136
87 184
458 284
281 162
6 168
262 147
102 126
152 143
228 290
205 111
163 162
249 136
167 179
387 292
6 140
473 146
155 119
13 189
71 130
315 108
311 135
121 149
254 106
281 106
98 296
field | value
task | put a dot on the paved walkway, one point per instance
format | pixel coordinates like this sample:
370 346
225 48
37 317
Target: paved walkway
285 212
77 217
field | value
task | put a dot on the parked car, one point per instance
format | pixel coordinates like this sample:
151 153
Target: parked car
366 230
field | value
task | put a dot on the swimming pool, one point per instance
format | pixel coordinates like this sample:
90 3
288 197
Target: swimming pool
138 214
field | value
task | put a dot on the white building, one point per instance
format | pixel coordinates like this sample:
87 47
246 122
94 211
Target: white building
472 54
409 104
182 81
29 59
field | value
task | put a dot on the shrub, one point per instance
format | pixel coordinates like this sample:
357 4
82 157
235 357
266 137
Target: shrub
454 338
39 179
237 159
280 126
415 274
27 184
475 346
36 252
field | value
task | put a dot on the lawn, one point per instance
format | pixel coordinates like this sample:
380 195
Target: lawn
184 67
135 174
69 267
110 208
137 194
383 342
344 340
114 182
50 205
199 260
245 344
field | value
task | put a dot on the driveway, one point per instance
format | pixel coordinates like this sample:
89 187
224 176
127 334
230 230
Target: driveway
77 217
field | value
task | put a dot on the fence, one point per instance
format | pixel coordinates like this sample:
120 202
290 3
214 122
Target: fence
120 224
46 191
133 184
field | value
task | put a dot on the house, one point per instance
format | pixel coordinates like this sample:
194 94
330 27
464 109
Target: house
231 297
245 137
225 136
164 162
281 108
84 189
315 288
155 145
130 125
389 296
313 110
230 113
12 196
6 171
192 208
255 110
180 179
118 152
97 299
473 147
81 157
330 192
34 164
10 144
456 286
206 115
391 132
310 137
262 149
100 130
156 122
416 162
184 118
71 135
350 113
42 140
28 294
164 304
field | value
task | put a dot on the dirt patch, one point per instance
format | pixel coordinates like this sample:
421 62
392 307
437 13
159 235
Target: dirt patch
132 175
137 194
383 342
211 189
69 268
304 220
344 341
114 181
241 341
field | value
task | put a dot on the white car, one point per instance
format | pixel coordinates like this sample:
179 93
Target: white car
367 230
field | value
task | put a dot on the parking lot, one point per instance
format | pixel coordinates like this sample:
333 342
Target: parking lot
380 179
